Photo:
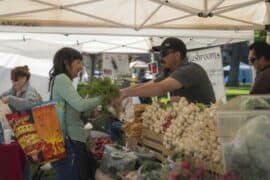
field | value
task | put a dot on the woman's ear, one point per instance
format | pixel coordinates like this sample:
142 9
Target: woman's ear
67 66
24 79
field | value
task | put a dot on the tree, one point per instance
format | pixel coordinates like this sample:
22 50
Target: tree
239 51
260 35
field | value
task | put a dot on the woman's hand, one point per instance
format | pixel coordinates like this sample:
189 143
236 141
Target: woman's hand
5 99
95 113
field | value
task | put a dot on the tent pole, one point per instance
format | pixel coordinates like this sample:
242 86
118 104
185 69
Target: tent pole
97 17
68 5
169 20
28 12
179 6
149 17
215 6
135 13
242 21
68 8
205 5
236 6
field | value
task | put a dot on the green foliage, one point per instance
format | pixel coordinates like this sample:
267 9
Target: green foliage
232 92
150 170
201 106
177 155
99 87
150 166
260 35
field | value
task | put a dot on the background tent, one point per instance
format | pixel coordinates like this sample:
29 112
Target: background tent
44 45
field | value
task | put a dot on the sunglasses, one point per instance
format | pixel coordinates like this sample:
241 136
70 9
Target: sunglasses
165 53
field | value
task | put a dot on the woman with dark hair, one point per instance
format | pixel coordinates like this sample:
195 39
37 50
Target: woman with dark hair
67 63
21 96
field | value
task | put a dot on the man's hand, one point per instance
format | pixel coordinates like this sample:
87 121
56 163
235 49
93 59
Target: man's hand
175 98
117 101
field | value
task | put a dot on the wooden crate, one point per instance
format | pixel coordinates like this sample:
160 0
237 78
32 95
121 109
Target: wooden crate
154 142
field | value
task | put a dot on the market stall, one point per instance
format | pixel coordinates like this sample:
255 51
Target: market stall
192 131
220 140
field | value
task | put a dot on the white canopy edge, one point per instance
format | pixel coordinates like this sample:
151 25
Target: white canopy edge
184 33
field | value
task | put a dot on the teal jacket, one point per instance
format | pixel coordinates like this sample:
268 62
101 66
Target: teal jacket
64 91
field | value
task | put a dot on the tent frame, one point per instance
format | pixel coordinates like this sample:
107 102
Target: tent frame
205 12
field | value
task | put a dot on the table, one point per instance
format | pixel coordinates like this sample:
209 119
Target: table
12 161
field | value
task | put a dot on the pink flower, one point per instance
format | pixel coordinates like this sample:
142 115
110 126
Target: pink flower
199 172
229 176
193 178
185 165
173 175
186 173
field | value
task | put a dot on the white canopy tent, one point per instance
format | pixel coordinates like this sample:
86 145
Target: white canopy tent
141 18
138 14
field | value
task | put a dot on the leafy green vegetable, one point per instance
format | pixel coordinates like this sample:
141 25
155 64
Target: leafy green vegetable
99 87
150 166
201 106
252 103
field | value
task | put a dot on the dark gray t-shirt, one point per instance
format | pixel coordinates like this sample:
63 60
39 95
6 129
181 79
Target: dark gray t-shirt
197 87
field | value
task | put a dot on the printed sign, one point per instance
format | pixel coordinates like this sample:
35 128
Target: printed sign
211 60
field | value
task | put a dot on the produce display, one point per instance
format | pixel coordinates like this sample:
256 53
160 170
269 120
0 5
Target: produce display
186 169
154 117
96 143
99 87
134 129
100 146
187 127
151 170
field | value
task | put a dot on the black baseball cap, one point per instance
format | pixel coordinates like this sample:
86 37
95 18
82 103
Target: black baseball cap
171 43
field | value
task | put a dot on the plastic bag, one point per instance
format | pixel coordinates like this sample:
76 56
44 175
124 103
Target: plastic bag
249 153
115 160
97 142
4 109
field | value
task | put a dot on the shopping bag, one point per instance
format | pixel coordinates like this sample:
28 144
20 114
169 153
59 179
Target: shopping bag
60 109
39 133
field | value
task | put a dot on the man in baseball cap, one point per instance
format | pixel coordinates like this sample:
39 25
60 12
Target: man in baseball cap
169 45
186 79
